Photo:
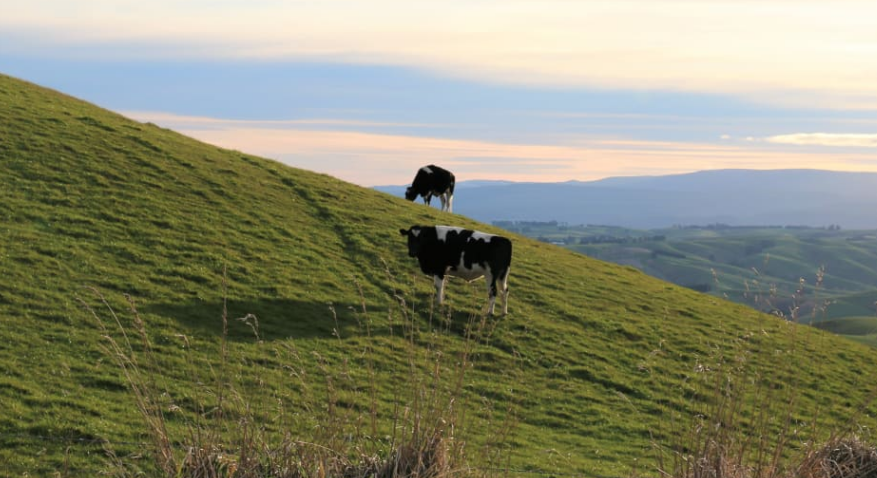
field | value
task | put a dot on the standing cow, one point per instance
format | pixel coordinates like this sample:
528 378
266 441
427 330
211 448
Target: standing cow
433 181
458 252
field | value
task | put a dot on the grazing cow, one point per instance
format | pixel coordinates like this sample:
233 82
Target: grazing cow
458 252
433 181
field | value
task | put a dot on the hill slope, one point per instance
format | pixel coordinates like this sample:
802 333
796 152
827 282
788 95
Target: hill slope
590 363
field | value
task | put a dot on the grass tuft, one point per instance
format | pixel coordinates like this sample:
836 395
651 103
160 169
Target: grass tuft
845 457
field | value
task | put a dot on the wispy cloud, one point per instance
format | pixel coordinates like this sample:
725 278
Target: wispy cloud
807 52
176 121
826 139
370 158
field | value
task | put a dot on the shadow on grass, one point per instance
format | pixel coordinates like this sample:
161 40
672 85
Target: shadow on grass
280 319
277 319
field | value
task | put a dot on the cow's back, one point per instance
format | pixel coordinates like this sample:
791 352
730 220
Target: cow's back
467 248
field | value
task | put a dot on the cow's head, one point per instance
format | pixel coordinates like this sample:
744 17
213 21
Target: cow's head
410 193
413 235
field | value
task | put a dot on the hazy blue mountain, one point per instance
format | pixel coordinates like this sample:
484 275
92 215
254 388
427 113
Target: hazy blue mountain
397 190
733 196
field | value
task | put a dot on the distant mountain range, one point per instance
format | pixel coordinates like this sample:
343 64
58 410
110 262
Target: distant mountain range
730 196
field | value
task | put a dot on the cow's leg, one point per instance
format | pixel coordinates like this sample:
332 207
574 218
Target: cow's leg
450 202
444 202
504 286
491 291
427 199
439 288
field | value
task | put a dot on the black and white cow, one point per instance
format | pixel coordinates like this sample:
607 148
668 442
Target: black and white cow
454 251
433 181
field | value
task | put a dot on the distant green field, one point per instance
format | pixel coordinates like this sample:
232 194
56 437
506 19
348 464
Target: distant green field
861 304
759 267
860 329
851 325
596 366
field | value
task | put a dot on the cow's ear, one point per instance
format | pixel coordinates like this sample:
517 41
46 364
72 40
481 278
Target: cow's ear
403 232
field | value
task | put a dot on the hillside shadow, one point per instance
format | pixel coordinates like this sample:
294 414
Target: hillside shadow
280 319
457 318
277 318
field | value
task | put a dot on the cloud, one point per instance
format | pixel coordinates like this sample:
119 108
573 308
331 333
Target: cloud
373 159
175 121
826 139
808 52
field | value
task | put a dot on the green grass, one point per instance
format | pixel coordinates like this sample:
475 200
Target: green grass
590 365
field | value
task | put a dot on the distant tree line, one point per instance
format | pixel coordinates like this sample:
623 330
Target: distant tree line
554 240
721 226
524 227
508 224
605 239
562 225
660 252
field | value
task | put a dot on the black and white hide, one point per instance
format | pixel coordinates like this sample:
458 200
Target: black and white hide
454 251
433 181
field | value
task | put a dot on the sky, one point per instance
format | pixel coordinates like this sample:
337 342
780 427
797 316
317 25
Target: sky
521 90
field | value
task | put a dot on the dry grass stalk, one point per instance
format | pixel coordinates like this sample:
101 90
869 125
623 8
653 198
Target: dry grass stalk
840 458
428 414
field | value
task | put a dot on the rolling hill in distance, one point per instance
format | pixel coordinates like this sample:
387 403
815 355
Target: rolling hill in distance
595 366
733 197
820 273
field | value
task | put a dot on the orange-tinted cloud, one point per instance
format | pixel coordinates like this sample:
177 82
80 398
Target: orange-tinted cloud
809 53
372 159
827 139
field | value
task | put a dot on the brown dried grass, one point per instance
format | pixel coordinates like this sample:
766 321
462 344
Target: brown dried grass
849 457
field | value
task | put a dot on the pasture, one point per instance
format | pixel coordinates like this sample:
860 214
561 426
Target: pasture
596 369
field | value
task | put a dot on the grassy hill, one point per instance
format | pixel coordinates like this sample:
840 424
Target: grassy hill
861 329
861 304
853 316
594 365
